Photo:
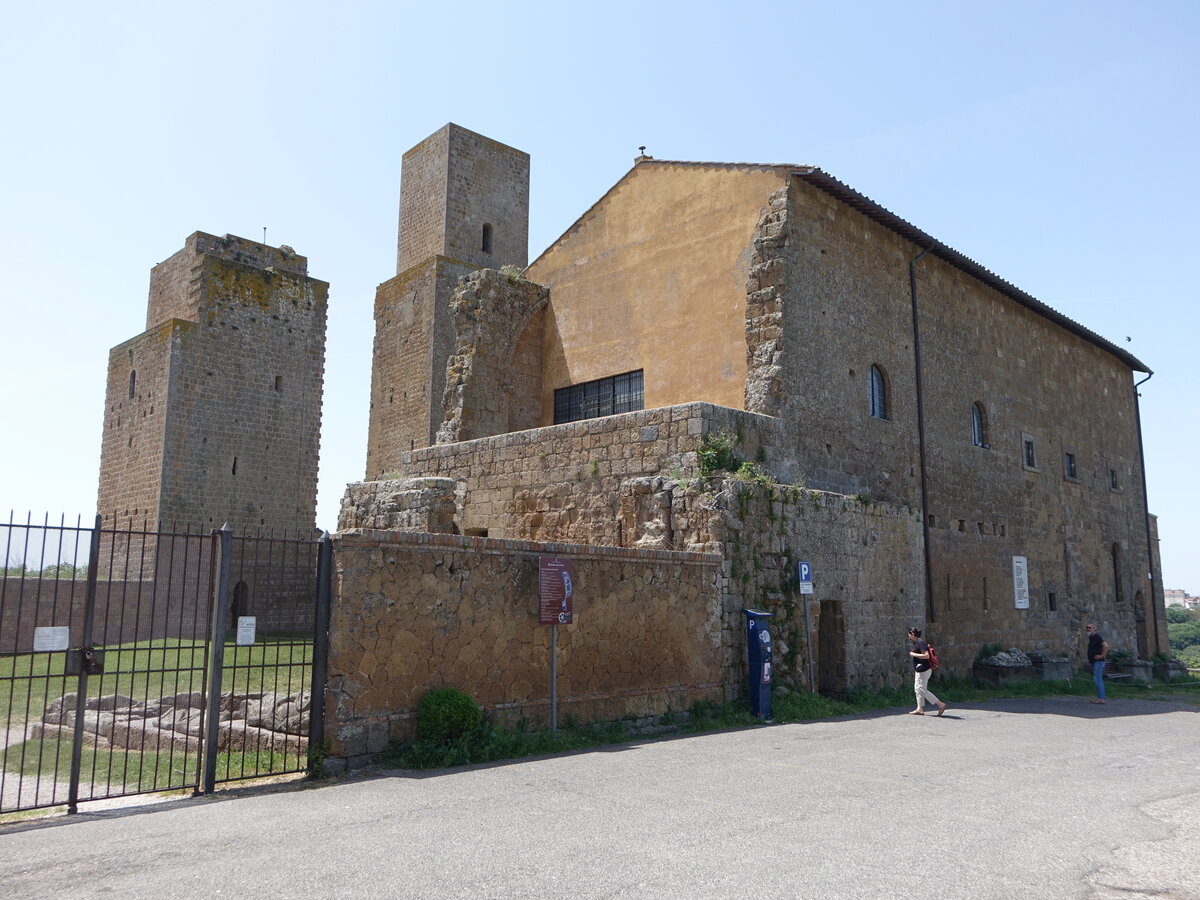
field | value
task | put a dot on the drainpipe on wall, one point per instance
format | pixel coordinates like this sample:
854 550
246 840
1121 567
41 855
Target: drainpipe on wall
912 285
1137 412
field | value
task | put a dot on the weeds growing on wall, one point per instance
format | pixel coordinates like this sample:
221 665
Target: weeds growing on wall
717 453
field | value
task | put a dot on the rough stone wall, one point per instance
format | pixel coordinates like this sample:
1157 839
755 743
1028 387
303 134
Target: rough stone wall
564 482
848 301
453 183
413 612
765 391
224 423
243 433
412 504
131 446
491 312
868 587
174 283
414 335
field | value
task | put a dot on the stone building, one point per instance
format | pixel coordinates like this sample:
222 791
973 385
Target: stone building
212 415
981 450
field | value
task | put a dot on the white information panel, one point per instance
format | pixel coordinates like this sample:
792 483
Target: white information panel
51 637
245 630
1020 583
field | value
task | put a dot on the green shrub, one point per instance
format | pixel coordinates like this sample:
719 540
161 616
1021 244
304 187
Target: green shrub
717 454
446 714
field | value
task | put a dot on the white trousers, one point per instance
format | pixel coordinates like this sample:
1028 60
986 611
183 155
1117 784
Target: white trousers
923 692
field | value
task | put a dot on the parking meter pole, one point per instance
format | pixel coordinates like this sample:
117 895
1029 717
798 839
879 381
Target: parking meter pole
759 661
554 678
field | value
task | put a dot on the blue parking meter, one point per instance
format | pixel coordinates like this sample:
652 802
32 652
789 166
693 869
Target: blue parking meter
758 661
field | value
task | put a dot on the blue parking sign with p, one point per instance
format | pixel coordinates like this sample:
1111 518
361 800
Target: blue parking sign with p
805 571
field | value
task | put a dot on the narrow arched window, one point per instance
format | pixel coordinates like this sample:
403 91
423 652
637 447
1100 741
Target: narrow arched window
486 245
978 426
879 398
132 383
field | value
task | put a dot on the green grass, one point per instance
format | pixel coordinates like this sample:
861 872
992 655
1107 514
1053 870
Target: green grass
147 670
492 744
127 772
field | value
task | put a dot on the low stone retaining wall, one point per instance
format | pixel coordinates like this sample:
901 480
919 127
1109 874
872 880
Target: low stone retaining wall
416 611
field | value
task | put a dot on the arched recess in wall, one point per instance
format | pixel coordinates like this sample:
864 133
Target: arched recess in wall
523 386
879 393
485 243
240 604
979 427
132 383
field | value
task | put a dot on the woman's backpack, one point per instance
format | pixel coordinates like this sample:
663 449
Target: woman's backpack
933 660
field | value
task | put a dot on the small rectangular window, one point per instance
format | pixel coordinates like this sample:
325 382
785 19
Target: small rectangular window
1028 452
1070 468
1114 480
1052 602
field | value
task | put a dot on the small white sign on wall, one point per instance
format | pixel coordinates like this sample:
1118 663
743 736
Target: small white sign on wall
1020 583
245 630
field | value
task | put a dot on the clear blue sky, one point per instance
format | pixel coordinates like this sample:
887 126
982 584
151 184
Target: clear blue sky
1054 143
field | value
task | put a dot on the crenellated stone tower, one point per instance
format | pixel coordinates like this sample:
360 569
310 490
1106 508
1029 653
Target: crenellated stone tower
464 205
213 414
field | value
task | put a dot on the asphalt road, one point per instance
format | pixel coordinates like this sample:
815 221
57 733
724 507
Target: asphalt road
1012 798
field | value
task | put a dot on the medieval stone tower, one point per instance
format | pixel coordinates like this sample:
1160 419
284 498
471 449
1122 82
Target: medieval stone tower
213 414
464 205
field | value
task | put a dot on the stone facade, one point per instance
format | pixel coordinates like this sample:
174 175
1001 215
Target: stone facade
491 388
464 204
213 415
420 611
780 290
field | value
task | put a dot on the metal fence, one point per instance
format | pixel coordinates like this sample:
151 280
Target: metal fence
136 661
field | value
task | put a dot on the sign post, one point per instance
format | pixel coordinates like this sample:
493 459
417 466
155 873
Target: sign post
556 592
804 574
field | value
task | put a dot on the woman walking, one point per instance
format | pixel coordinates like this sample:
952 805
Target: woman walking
922 670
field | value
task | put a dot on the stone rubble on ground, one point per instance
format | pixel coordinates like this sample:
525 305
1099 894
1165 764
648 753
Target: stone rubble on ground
1010 657
248 722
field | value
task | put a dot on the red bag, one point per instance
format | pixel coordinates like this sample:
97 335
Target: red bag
933 660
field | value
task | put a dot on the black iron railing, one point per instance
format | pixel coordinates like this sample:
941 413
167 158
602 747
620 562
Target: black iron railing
135 660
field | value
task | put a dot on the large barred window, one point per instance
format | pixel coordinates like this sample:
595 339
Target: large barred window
603 397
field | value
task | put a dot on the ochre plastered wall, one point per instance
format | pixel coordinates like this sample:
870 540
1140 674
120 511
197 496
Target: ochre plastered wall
653 277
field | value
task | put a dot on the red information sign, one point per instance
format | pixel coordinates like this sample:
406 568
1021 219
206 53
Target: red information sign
555 590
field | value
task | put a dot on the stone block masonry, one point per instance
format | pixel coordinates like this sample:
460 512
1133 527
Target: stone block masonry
413 612
213 415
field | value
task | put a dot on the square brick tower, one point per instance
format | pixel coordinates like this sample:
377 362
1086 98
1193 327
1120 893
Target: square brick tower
464 205
213 414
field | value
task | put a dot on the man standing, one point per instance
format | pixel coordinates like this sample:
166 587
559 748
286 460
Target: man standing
1096 652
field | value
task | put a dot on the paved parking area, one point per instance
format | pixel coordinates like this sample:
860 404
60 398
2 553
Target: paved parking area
1030 798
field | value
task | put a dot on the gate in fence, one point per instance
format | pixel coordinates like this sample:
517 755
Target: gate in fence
136 661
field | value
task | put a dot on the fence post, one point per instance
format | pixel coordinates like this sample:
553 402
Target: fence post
85 643
222 547
320 666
